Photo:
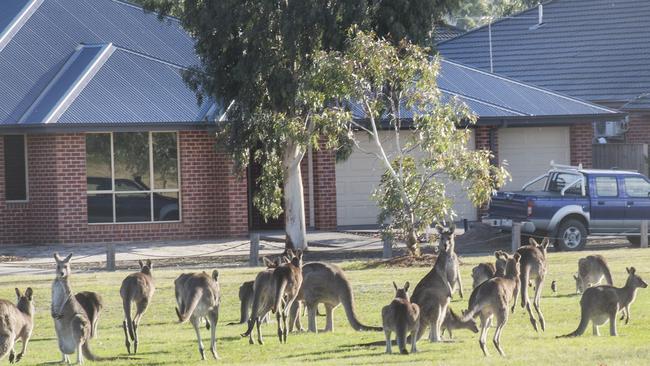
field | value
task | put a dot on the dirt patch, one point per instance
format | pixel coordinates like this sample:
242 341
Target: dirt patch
482 238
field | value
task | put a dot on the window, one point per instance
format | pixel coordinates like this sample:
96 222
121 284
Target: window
15 156
606 187
637 187
559 181
132 177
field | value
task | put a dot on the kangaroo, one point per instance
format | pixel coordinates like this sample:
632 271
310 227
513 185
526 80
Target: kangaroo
533 268
136 288
433 293
453 322
247 295
16 322
492 299
71 323
325 283
401 316
92 304
601 303
198 296
591 271
287 279
484 271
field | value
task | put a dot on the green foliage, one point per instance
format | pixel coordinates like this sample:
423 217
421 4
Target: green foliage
474 13
387 81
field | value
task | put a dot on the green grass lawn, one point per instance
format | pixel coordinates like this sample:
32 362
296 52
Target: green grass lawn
164 342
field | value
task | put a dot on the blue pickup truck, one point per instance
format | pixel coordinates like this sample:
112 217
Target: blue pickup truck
570 203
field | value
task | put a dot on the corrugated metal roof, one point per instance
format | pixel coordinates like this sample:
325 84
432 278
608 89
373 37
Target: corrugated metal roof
492 96
598 50
444 31
36 53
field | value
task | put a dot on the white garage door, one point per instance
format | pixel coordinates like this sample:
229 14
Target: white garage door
357 178
529 151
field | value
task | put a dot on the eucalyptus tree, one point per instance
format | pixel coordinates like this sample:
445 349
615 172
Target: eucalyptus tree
385 84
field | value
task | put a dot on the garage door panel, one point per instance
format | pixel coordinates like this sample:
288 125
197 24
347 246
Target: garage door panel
529 151
358 177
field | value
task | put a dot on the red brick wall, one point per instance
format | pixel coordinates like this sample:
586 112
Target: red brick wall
482 140
639 127
324 168
581 137
213 201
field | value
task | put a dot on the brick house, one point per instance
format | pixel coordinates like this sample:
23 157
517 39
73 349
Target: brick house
101 140
595 50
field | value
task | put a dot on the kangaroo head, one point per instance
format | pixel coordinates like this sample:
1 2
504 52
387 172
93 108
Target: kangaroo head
62 266
446 237
541 246
634 280
512 267
25 302
402 293
296 261
145 267
215 275
500 263
580 285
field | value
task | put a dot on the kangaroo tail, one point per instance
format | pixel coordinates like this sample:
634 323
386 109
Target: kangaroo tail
126 304
584 322
525 278
280 286
347 299
184 314
400 334
254 311
474 309
246 296
88 354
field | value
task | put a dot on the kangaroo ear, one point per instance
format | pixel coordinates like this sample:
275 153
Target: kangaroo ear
299 254
517 257
532 241
149 264
575 277
67 259
29 293
140 264
632 270
545 243
18 295
406 286
627 269
395 285
267 262
57 258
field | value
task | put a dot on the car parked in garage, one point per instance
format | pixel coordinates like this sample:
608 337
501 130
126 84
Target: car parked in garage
571 203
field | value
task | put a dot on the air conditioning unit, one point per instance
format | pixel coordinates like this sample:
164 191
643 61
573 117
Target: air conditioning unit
610 129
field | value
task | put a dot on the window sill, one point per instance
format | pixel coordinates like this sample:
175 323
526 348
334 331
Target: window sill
133 223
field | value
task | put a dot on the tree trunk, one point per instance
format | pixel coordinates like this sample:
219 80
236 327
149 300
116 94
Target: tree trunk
294 206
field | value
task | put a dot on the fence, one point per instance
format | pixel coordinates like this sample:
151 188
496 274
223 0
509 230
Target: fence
621 156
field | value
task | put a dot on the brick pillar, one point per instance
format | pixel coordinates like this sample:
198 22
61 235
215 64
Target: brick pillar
324 167
487 138
304 175
581 137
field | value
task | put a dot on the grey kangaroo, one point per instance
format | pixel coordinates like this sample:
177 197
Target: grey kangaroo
71 323
484 271
92 304
591 271
433 293
136 288
533 268
287 279
327 284
492 299
247 294
453 322
198 296
600 304
16 322
401 316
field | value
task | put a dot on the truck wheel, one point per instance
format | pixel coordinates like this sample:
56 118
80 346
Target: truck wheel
572 236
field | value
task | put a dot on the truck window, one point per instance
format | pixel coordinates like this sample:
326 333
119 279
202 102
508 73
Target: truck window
558 181
637 187
606 187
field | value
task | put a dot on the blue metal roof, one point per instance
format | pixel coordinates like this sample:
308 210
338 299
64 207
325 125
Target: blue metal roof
494 97
49 47
597 50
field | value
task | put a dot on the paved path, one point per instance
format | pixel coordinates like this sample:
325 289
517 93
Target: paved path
37 256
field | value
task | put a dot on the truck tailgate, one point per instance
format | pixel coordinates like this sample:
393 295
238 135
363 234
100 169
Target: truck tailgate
509 205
